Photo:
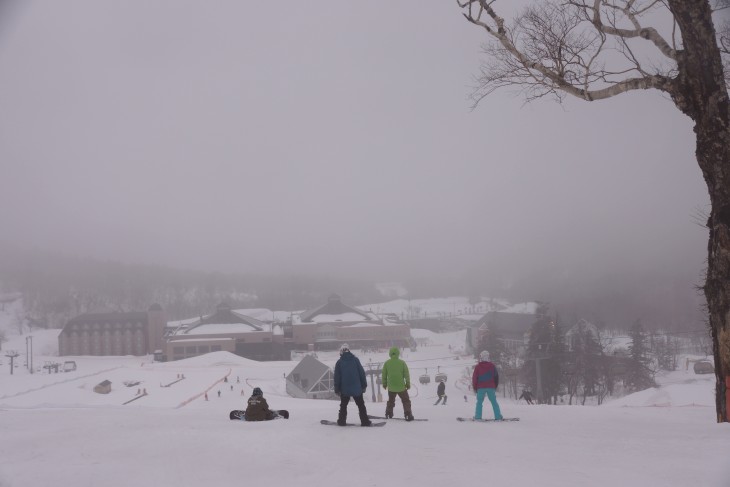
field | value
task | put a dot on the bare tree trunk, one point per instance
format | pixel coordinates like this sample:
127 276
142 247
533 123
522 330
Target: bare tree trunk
533 56
700 93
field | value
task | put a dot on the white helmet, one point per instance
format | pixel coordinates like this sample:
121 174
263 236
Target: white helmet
344 348
484 356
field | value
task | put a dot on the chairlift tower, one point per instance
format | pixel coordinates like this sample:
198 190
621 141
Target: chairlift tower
29 352
543 353
11 354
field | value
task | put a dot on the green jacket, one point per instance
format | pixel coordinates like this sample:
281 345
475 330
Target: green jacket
395 373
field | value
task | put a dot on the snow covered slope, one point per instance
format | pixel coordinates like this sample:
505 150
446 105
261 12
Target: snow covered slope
57 432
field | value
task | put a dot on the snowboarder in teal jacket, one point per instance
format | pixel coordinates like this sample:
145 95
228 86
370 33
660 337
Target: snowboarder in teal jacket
397 380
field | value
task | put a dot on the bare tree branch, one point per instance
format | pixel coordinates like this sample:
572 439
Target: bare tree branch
556 49
648 33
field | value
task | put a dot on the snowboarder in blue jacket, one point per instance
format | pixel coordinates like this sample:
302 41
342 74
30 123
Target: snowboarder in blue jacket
350 382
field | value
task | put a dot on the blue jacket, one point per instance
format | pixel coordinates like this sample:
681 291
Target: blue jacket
350 376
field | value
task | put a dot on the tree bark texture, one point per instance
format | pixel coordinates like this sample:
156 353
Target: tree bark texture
700 92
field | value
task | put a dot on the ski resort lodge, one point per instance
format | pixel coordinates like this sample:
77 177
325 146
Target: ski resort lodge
135 333
322 328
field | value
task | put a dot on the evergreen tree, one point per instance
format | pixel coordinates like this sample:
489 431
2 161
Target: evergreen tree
640 374
540 349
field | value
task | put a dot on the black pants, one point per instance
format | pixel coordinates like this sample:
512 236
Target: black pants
444 397
344 401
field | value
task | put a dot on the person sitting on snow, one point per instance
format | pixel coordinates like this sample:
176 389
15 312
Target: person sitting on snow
258 408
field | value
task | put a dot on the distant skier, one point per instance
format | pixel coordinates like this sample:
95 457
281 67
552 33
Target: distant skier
397 380
485 381
526 395
258 409
441 392
350 382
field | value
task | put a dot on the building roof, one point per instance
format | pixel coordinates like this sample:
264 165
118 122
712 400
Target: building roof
309 369
508 323
223 322
107 318
333 308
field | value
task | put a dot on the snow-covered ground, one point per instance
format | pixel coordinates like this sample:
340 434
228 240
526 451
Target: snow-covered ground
57 432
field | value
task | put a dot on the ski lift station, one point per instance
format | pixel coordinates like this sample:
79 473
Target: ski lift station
311 379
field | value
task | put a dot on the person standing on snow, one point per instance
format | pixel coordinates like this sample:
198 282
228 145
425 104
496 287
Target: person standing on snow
441 392
526 395
350 382
485 381
397 380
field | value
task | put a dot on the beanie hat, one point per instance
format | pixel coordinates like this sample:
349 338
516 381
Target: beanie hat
257 391
344 348
484 356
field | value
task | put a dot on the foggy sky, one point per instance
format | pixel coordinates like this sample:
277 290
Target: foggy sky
322 137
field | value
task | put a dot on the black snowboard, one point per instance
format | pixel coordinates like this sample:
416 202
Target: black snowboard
399 419
237 414
503 420
334 423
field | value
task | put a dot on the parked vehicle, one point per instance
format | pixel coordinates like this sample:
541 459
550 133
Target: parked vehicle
704 367
69 366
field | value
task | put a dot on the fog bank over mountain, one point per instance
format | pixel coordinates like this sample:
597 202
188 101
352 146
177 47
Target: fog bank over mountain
337 145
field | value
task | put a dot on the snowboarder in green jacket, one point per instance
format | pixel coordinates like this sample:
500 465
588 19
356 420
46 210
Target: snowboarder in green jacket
397 380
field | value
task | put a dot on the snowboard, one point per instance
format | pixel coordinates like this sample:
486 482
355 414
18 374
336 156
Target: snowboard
399 419
334 423
503 420
237 414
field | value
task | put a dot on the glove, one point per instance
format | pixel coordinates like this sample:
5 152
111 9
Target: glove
384 386
337 393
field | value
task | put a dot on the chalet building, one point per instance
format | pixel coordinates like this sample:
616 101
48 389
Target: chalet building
513 327
311 379
582 327
322 328
134 333
226 330
333 323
